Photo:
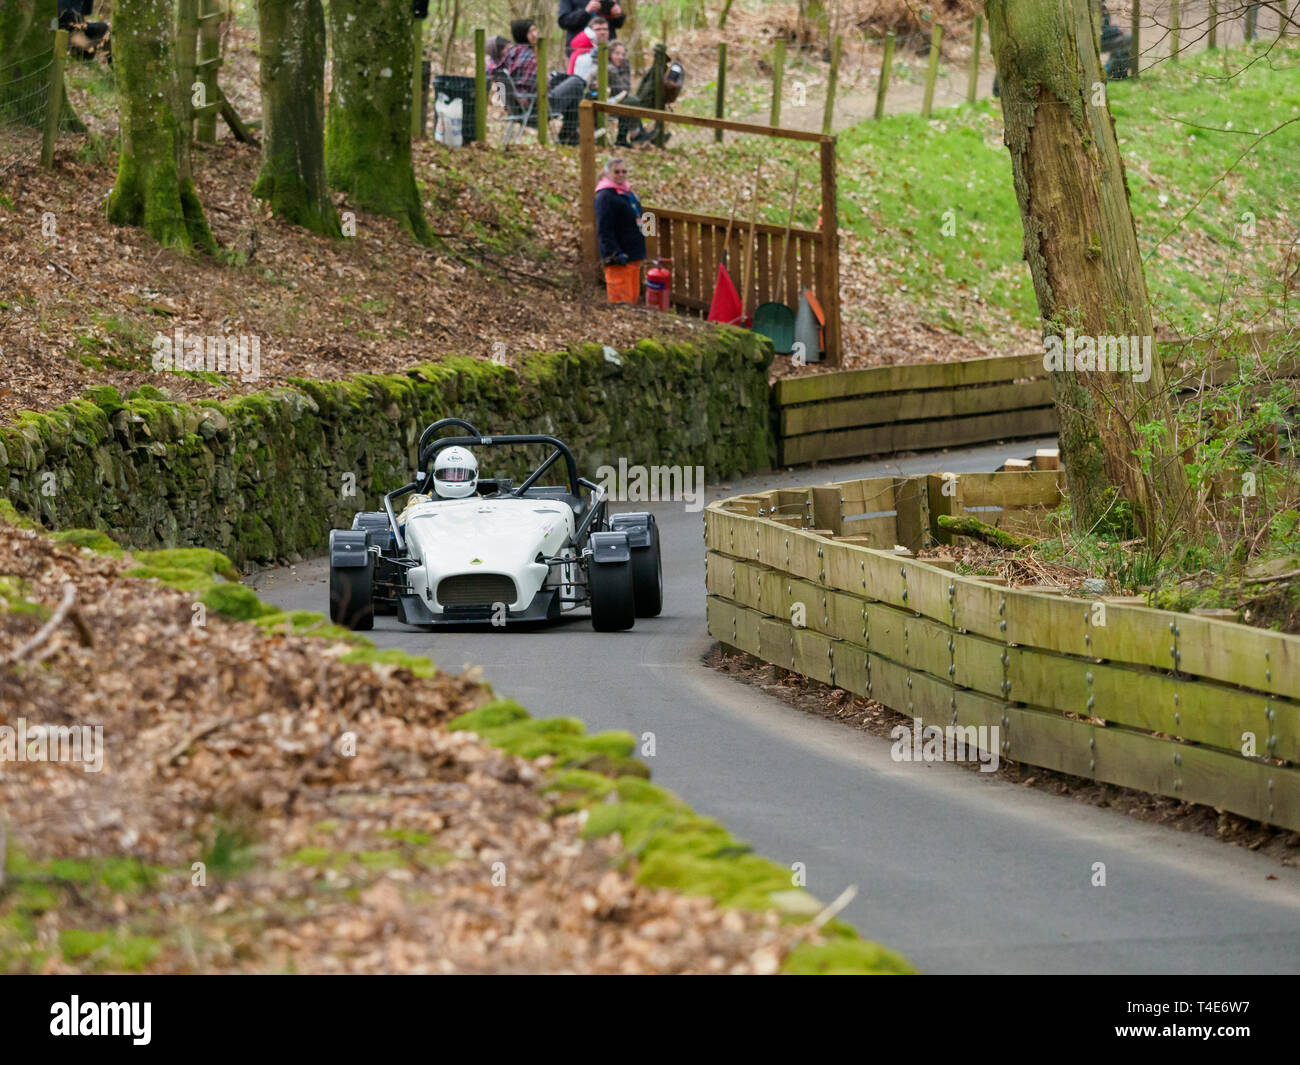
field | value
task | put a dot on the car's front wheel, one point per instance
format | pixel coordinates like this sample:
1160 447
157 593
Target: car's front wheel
648 577
352 595
613 599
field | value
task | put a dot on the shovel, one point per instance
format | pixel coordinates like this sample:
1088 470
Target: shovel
774 319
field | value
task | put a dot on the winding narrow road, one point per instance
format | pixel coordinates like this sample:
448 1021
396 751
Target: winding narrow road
961 872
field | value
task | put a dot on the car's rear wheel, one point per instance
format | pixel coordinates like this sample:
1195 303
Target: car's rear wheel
613 598
352 595
648 577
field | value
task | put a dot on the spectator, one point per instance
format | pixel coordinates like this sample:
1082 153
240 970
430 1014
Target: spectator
618 232
618 88
575 14
496 50
567 93
582 60
520 59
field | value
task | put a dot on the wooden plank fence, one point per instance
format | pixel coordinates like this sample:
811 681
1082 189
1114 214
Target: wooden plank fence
1110 690
694 243
911 408
853 413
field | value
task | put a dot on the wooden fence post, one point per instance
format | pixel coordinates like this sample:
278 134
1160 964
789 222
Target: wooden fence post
54 101
1135 60
944 496
720 103
417 80
833 81
886 61
209 27
778 75
543 104
1175 29
830 253
602 71
932 69
187 35
972 86
659 66
587 185
480 85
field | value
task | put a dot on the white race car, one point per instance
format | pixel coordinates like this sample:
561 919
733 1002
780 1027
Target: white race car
499 554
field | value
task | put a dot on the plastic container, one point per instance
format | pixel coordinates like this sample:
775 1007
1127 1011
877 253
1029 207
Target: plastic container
458 87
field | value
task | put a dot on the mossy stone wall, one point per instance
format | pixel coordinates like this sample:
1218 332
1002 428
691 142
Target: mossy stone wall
262 476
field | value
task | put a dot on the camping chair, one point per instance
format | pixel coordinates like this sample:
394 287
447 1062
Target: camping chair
520 107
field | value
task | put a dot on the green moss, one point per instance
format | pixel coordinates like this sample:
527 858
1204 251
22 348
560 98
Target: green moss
10 516
146 392
581 782
93 539
107 949
185 580
202 559
407 836
844 957
13 598
235 601
106 397
492 715
393 658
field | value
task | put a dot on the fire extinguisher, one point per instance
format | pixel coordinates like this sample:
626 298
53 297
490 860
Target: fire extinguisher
659 285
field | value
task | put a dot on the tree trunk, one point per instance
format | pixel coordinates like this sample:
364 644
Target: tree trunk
291 44
368 126
155 184
1081 247
26 41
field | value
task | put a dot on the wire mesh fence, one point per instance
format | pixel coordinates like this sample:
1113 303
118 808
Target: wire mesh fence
24 105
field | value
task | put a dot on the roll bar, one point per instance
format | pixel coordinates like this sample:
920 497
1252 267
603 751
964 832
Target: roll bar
428 450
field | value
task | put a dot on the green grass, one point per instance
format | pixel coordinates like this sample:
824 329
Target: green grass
899 176
933 205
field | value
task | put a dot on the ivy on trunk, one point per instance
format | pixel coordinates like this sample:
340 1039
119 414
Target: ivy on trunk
155 184
291 46
1081 246
368 125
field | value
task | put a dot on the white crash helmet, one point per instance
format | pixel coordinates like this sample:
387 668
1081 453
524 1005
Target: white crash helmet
455 473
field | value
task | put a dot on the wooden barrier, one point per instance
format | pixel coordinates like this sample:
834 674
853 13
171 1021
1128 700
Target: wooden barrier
910 408
1111 691
854 413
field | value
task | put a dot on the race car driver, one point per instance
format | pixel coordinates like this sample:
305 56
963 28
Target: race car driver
455 476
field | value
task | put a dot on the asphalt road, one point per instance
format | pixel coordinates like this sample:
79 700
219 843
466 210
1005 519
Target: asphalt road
959 871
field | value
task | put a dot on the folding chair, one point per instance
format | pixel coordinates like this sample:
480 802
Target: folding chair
520 107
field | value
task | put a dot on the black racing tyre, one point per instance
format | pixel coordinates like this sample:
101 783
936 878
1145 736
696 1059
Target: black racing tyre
613 602
648 577
351 595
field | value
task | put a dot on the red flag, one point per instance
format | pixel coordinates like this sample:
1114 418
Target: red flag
726 306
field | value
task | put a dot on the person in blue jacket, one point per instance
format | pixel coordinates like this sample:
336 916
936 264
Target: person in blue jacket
618 233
